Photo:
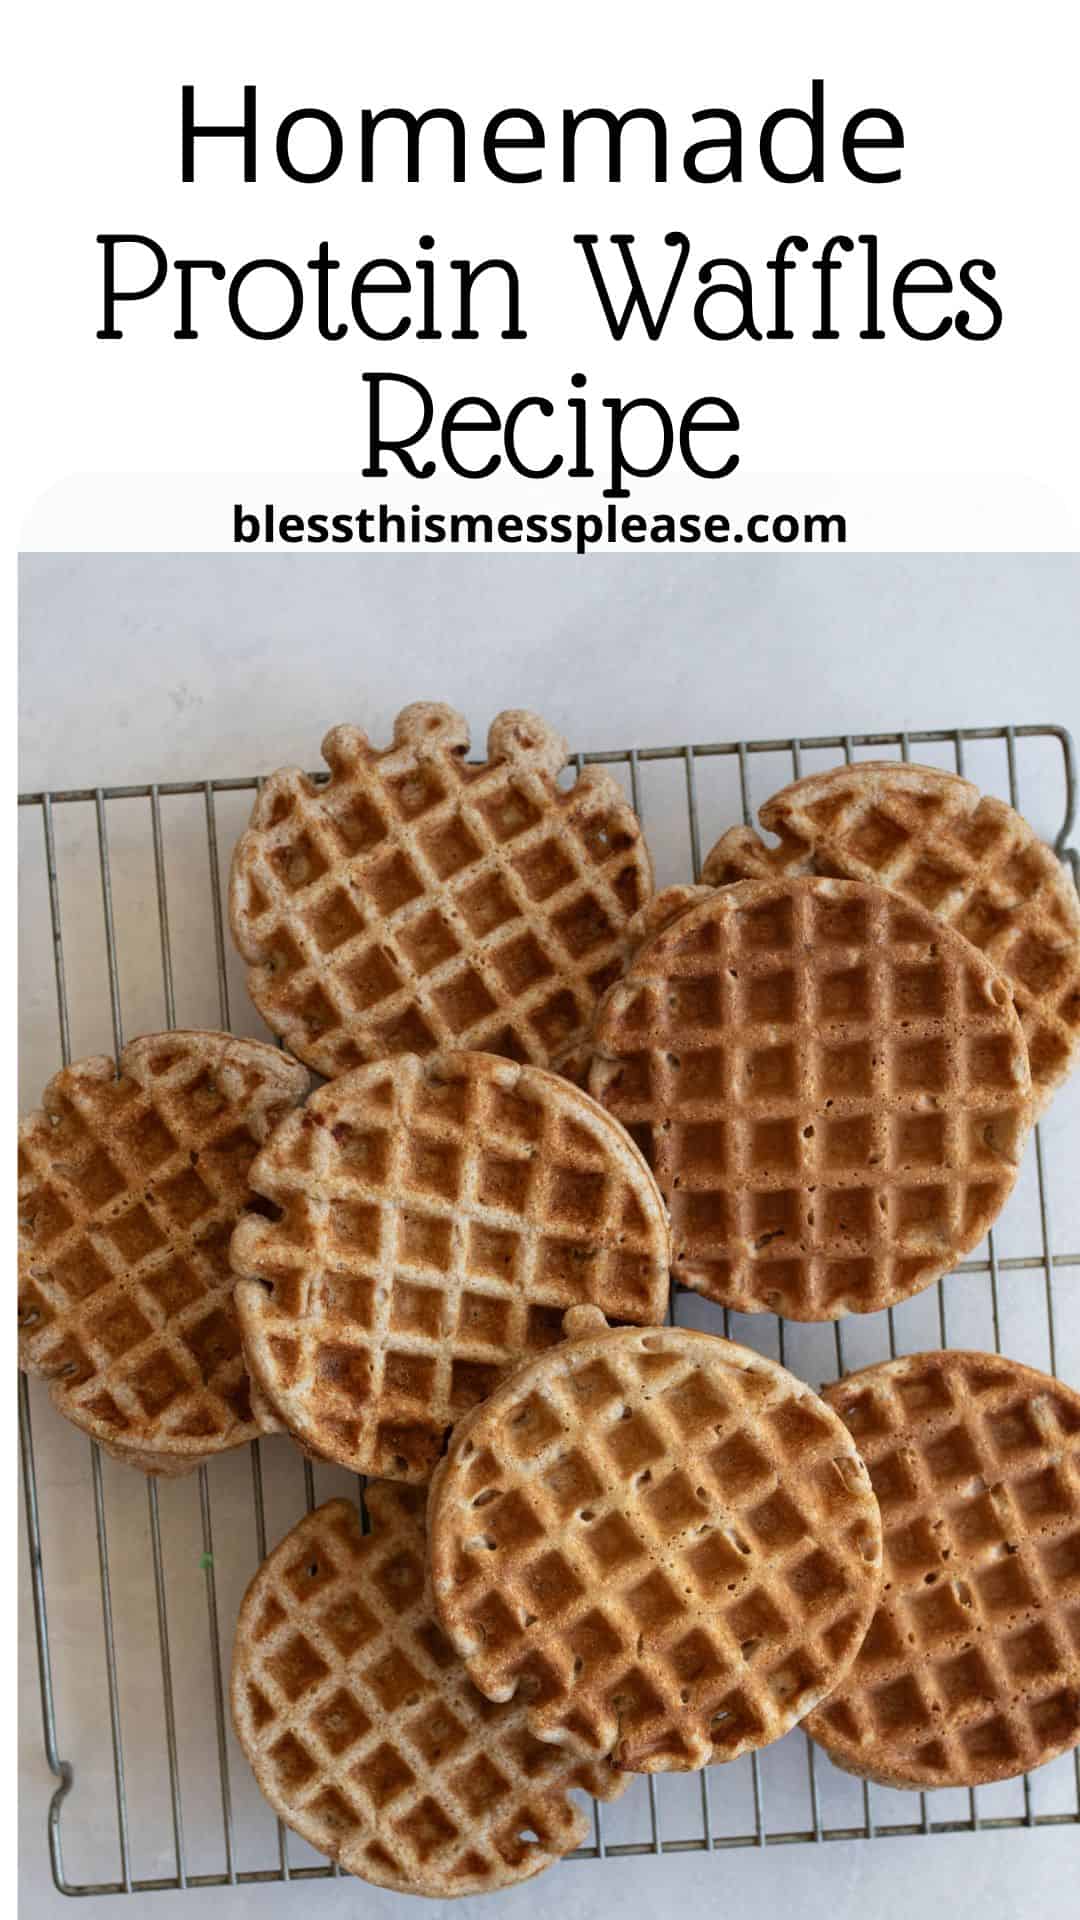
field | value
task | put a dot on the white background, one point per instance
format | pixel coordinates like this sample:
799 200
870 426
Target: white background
196 666
941 445
175 666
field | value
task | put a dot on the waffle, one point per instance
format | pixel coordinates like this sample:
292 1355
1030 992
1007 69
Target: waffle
439 1216
970 859
363 1730
416 903
657 913
156 1466
971 1669
130 1184
831 1087
665 1542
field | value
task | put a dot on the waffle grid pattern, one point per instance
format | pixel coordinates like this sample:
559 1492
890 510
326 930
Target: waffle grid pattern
972 860
664 1542
675 784
363 1730
129 1191
439 1218
416 902
971 1669
830 1087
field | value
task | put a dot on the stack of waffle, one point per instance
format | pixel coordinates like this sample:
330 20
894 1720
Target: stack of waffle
598 1544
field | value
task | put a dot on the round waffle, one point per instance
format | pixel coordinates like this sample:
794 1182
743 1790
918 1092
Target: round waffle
971 860
363 1730
831 1087
131 1181
415 902
663 1542
437 1218
970 1671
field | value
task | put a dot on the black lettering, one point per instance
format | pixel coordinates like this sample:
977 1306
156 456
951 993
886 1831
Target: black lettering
413 124
380 443
616 125
619 464
322 267
969 284
814 168
825 524
292 281
425 270
871 331
740 289
189 133
691 423
114 294
544 407
853 143
455 422
185 268
468 275
497 142
246 526
580 413
729 144
363 285
780 266
825 266
905 285
474 526
334 153
653 323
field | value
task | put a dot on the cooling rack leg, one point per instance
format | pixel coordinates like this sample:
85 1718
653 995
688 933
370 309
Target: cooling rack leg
60 1768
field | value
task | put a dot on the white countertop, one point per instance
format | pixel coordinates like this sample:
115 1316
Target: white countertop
147 668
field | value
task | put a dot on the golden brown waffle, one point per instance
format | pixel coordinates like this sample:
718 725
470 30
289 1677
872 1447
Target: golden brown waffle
438 1217
663 1542
971 1669
157 1466
130 1185
935 839
415 902
363 1730
658 912
831 1087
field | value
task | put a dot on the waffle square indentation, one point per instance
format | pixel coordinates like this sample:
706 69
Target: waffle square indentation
427 942
297 1666
334 919
393 882
846 1071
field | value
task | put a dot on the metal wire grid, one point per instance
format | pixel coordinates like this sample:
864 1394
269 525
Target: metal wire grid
653 1841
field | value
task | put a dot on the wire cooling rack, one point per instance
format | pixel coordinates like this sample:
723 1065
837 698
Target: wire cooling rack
135 1584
